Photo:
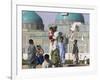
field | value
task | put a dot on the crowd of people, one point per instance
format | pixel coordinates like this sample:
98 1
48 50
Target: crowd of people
56 55
58 47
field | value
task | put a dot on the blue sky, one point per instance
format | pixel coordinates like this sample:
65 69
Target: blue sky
49 17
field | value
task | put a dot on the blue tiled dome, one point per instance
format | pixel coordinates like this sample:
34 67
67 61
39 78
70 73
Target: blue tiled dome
71 17
31 17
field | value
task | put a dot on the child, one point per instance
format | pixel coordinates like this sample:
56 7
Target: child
50 35
47 63
75 52
39 55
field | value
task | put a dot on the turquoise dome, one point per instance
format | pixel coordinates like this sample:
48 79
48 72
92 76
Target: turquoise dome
31 17
71 17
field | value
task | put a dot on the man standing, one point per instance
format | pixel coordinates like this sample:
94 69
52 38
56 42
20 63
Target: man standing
31 54
61 48
55 58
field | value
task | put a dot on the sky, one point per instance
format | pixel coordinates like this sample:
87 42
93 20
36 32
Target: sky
49 18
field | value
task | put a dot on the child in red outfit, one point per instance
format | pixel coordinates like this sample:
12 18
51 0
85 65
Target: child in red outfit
50 34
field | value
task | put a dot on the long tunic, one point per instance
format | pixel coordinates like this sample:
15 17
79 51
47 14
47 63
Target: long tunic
31 53
61 48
